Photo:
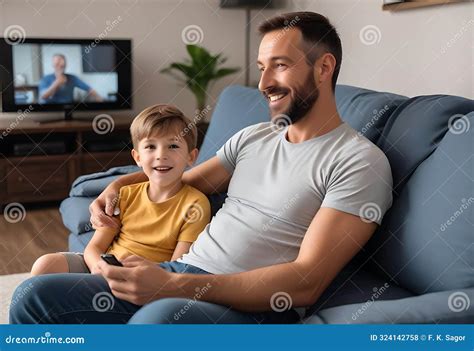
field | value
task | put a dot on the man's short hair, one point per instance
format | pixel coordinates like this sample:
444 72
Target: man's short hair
60 55
159 120
318 33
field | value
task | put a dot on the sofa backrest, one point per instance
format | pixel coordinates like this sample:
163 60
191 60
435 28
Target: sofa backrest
237 107
426 240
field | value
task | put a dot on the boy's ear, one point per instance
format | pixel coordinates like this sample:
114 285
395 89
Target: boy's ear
192 157
136 157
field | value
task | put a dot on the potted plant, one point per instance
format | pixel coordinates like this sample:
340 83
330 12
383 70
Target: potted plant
199 71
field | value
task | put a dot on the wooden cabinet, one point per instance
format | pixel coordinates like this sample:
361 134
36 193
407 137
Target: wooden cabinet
39 162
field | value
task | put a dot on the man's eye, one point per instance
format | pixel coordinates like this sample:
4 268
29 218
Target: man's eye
280 65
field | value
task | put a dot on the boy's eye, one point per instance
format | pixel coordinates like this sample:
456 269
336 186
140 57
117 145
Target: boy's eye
149 147
174 146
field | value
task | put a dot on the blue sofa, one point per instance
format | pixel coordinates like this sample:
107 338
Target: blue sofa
419 265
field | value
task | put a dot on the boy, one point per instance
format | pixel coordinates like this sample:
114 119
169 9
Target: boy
160 218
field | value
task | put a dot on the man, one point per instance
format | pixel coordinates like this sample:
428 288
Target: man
58 87
295 214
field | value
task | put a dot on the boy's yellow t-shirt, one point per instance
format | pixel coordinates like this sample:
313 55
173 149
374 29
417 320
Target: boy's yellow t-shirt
152 230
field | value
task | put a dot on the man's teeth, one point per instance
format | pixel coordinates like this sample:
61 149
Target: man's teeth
276 97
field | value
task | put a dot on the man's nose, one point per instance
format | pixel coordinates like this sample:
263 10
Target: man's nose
267 80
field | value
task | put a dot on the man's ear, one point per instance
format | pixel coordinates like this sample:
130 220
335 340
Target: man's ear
192 156
136 157
325 67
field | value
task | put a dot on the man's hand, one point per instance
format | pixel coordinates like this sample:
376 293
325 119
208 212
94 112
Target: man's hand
139 281
61 79
102 209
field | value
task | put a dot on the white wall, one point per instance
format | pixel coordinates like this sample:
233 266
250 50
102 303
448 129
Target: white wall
420 51
411 58
155 27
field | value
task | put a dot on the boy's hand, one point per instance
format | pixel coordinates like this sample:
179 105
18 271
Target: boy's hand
102 209
95 269
139 281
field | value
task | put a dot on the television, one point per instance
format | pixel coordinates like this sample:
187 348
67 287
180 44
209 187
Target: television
52 74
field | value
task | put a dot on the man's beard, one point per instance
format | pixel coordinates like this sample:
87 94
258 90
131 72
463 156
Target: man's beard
305 98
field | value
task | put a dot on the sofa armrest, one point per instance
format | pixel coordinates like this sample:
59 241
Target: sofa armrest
446 307
75 214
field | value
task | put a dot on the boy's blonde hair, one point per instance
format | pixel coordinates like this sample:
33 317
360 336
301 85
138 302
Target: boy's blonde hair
160 119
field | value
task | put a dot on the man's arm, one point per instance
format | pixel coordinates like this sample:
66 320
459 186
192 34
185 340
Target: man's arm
330 242
48 92
208 177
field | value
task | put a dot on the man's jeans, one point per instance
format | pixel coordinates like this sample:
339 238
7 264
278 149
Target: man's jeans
86 298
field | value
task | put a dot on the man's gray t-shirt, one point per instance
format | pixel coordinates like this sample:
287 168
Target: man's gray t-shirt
276 189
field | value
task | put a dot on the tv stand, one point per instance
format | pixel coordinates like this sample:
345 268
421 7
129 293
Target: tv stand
39 161
67 117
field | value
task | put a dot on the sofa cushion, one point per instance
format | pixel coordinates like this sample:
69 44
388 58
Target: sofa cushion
236 108
415 129
356 284
446 307
93 184
366 111
75 214
77 243
426 241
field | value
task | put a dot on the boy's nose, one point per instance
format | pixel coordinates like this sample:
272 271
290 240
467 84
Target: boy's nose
161 156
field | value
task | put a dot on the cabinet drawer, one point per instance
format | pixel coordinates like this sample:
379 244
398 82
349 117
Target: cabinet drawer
39 178
99 162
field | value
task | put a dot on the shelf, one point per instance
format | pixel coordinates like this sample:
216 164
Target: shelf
46 177
412 4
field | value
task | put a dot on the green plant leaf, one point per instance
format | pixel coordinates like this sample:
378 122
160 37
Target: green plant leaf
225 72
199 70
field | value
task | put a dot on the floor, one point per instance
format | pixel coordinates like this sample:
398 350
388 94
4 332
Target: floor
24 238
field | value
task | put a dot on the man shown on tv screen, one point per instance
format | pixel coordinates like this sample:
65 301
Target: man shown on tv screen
58 87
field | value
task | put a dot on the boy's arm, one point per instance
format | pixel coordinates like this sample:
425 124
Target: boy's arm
181 249
98 245
208 177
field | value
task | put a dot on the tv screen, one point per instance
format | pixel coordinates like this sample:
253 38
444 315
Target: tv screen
74 74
